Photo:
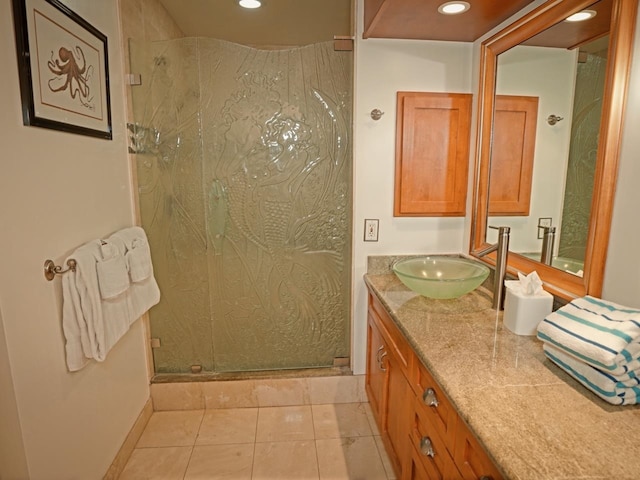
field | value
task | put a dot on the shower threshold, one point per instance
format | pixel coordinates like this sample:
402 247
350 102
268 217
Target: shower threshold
264 374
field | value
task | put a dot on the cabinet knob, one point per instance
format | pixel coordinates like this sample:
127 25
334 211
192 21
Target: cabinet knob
426 447
429 398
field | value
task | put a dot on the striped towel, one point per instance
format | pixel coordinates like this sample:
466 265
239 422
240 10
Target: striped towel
604 385
602 334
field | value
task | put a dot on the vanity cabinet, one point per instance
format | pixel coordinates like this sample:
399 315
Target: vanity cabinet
386 383
423 434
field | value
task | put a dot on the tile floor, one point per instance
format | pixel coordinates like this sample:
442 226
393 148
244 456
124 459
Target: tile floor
321 442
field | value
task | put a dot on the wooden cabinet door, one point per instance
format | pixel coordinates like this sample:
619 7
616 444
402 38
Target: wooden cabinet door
512 151
397 412
376 378
432 153
470 457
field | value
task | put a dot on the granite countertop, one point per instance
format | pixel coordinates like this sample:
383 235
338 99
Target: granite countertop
534 420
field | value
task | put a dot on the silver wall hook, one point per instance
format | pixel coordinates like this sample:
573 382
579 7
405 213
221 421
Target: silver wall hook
553 119
376 113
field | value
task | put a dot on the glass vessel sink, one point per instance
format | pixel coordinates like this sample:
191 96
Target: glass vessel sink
439 276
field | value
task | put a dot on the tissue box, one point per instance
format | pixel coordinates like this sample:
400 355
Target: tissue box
523 313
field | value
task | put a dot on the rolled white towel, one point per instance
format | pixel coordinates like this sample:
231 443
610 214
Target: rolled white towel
602 334
604 385
113 279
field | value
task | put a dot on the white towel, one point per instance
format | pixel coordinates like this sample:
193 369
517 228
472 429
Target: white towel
92 324
602 334
113 278
601 383
139 260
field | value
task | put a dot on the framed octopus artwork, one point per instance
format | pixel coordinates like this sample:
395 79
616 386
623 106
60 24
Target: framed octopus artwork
63 69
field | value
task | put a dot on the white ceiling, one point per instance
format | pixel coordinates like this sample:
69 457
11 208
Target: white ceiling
277 22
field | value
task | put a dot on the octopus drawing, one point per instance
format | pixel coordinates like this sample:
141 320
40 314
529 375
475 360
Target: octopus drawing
73 74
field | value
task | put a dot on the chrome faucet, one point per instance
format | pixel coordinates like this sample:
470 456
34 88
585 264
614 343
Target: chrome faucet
548 240
501 248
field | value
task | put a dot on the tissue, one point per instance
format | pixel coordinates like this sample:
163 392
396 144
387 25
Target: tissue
526 304
526 284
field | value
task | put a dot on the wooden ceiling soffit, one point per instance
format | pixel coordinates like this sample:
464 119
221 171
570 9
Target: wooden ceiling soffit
574 34
420 20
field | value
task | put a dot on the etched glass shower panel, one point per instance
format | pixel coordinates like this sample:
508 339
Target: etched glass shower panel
244 175
169 176
277 174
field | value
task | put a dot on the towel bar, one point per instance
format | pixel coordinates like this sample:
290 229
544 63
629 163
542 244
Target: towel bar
51 269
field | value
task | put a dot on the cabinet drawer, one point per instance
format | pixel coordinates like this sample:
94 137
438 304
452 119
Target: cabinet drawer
432 453
390 332
470 457
433 403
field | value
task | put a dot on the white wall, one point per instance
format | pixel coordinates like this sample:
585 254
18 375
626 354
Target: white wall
57 191
384 67
13 463
549 74
622 273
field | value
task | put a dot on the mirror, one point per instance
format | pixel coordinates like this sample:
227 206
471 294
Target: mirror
541 60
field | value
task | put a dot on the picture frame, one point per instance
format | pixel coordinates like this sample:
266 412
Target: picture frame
63 69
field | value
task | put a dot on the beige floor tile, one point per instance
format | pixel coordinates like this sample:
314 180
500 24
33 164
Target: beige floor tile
371 418
349 459
167 463
171 429
282 392
221 462
386 462
228 425
340 420
285 461
278 424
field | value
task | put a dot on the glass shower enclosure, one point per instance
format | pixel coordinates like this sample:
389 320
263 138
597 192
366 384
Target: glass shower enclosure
243 160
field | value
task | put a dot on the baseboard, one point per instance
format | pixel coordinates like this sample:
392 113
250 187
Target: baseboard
129 444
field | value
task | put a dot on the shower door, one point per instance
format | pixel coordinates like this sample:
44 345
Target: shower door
244 175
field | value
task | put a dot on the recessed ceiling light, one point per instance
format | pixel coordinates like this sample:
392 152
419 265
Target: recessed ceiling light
250 3
453 8
581 16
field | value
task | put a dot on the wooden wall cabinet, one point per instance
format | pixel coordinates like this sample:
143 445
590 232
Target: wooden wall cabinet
512 152
432 153
423 434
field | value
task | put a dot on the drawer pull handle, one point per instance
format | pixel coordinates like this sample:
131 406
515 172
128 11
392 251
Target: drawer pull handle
381 363
486 477
426 447
380 348
429 398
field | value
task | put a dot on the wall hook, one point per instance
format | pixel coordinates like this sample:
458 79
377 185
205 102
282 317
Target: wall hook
376 113
553 119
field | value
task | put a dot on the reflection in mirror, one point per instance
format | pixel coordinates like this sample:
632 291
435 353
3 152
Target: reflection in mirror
559 91
564 82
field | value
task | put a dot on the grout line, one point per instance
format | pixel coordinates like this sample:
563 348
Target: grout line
255 441
195 439
315 440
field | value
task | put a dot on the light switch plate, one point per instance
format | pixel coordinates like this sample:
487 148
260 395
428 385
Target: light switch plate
371 230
